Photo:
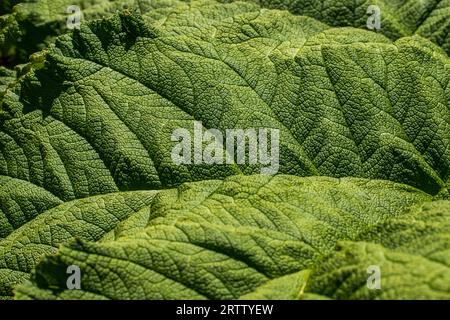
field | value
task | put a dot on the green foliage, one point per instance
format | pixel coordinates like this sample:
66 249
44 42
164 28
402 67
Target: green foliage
87 179
33 24
6 78
245 236
400 18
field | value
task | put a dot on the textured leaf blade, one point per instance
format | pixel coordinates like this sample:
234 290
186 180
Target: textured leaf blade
289 287
92 117
374 131
405 276
89 219
225 239
399 18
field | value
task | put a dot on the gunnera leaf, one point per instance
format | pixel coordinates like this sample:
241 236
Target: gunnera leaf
34 24
86 159
399 18
31 25
7 77
247 236
346 103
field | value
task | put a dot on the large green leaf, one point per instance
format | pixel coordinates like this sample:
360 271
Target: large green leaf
118 89
34 24
240 237
399 18
89 219
403 275
289 287
88 124
7 77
